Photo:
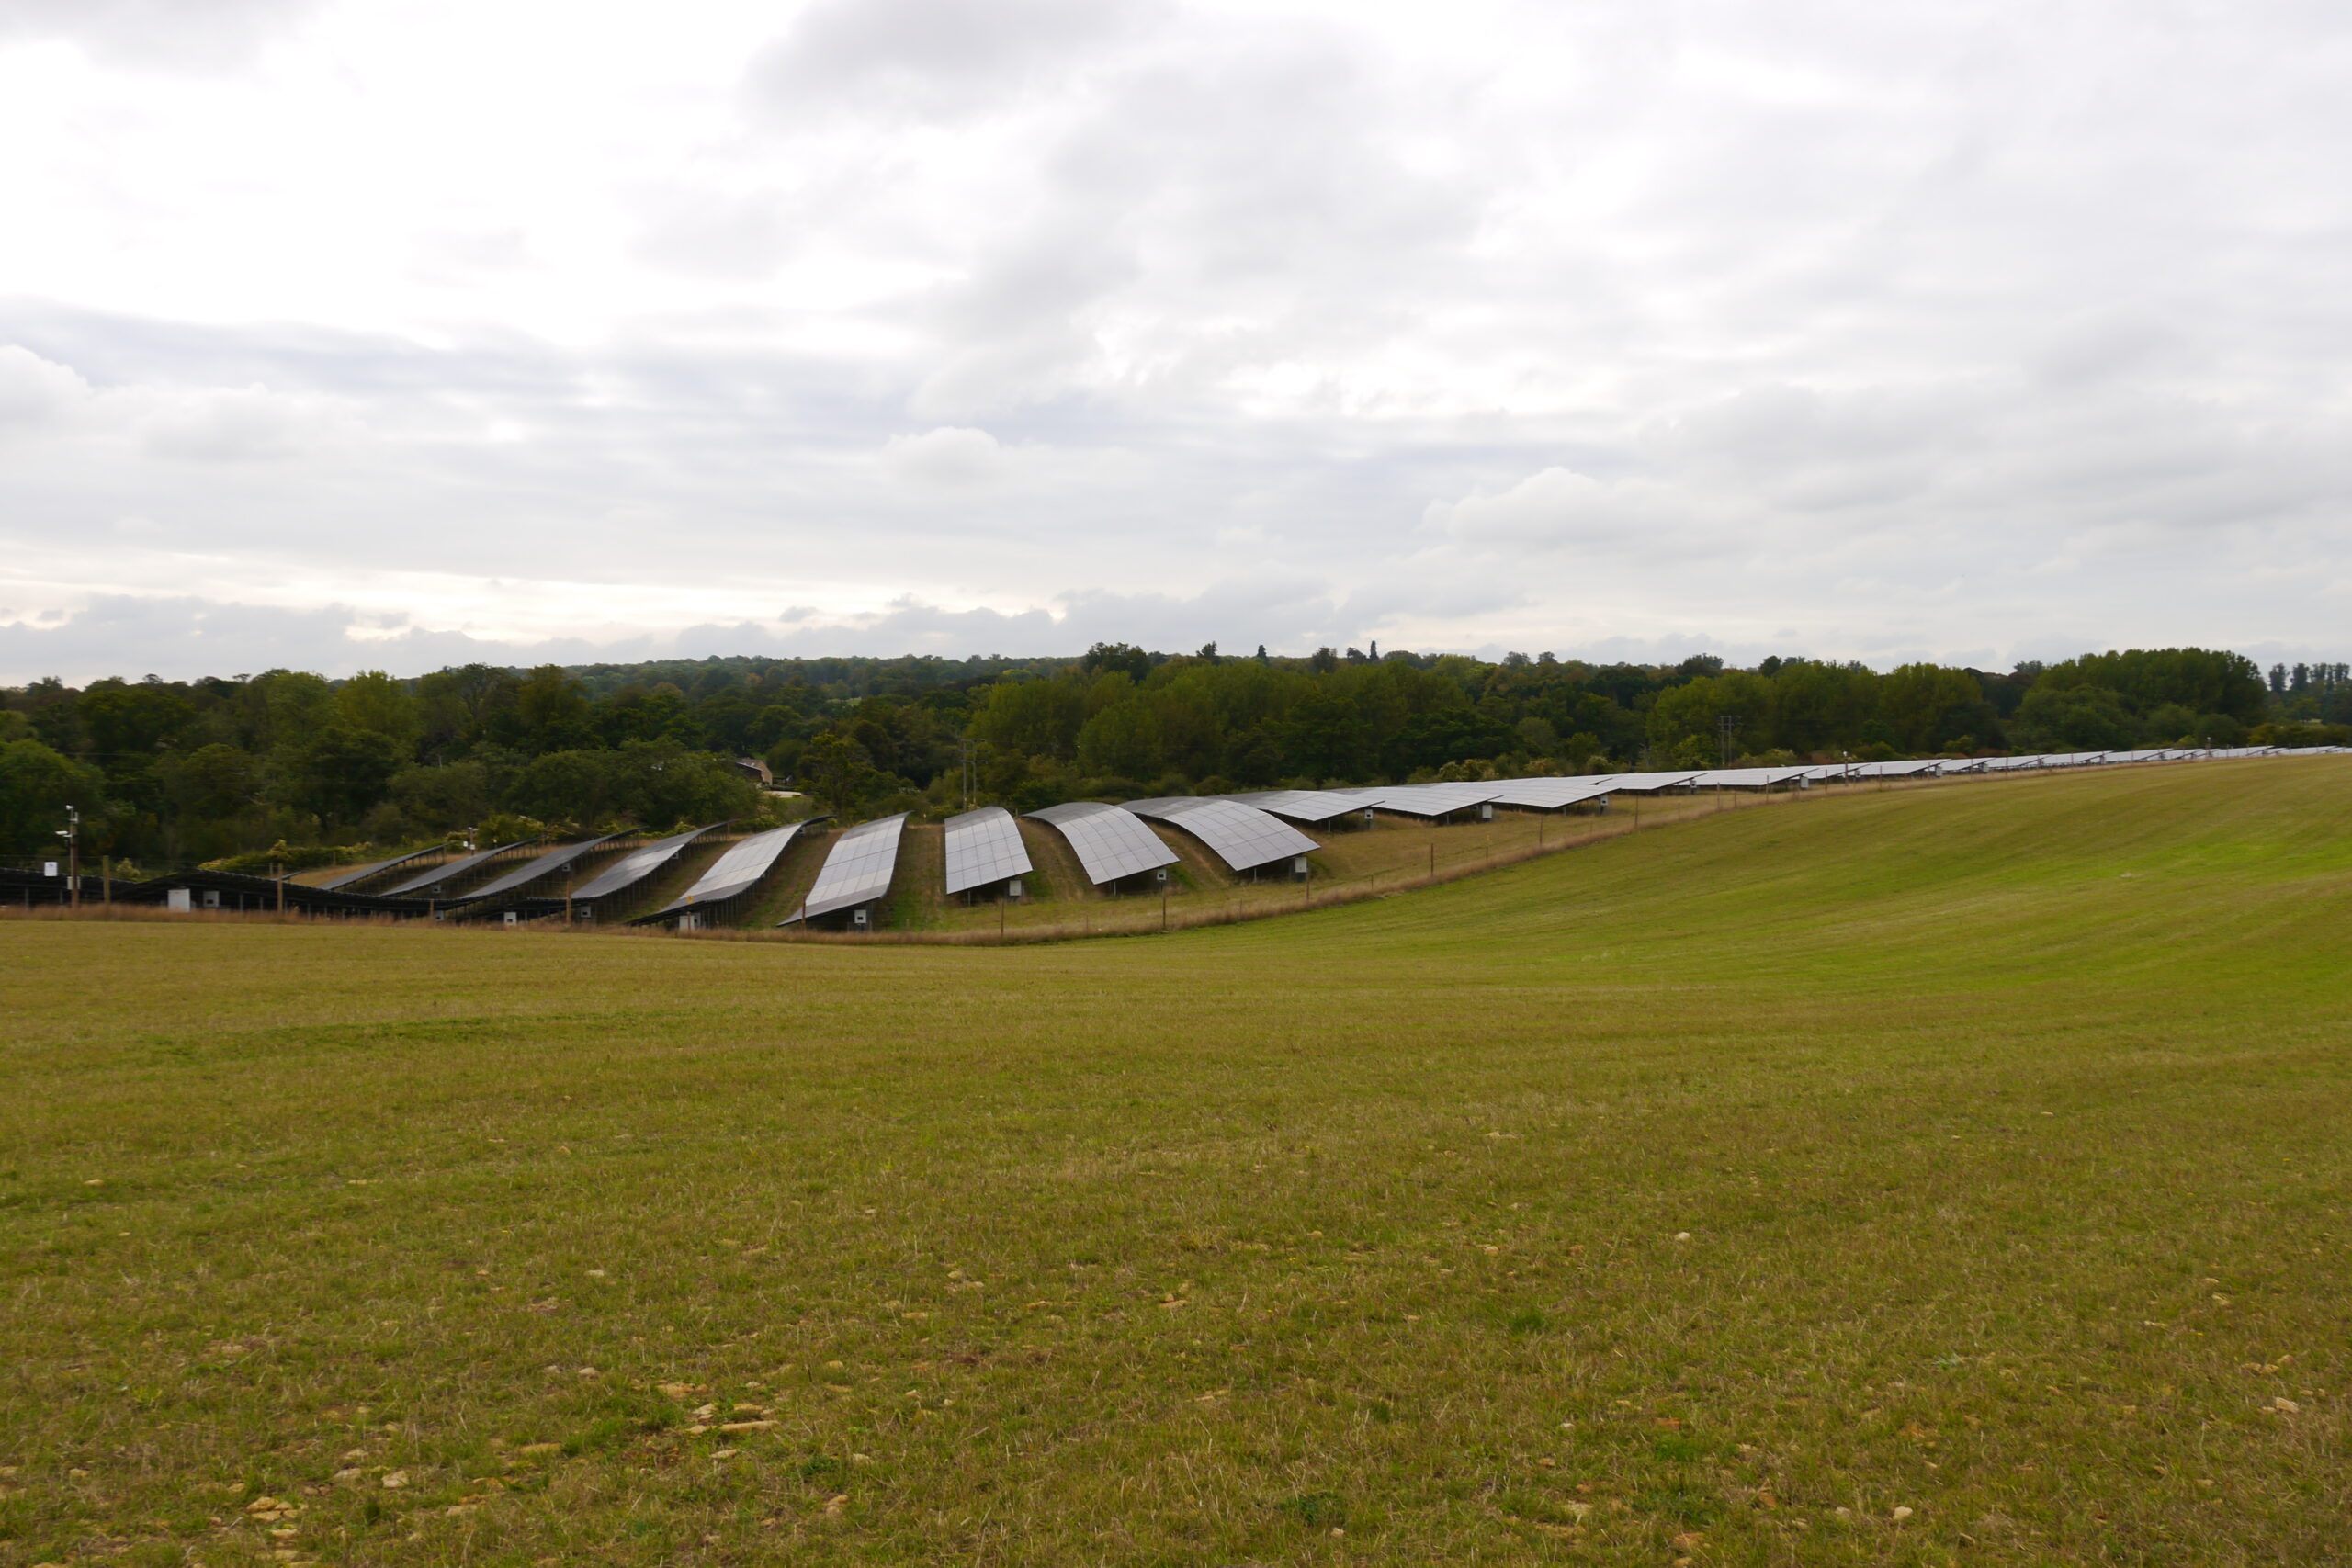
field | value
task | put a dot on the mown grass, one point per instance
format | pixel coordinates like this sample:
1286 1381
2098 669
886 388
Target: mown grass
1712 1193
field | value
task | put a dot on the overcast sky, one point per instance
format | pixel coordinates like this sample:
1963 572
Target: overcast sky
352 333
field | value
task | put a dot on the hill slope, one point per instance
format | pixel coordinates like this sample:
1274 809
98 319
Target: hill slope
1977 1151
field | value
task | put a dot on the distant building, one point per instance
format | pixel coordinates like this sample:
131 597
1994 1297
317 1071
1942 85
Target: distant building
756 771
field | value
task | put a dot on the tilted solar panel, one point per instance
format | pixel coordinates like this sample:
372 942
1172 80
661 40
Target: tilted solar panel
1430 799
362 872
1314 806
1109 841
740 869
859 869
1550 794
1747 778
1242 836
984 846
1647 783
634 866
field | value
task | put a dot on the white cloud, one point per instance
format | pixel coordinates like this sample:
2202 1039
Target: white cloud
950 455
174 34
35 392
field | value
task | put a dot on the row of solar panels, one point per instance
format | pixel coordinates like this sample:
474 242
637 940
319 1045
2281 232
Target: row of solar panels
1433 801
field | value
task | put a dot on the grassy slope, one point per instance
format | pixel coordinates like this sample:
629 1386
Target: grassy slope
2007 1123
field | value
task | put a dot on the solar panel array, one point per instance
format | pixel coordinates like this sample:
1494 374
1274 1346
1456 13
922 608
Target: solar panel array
859 869
984 846
741 868
1109 841
635 867
1242 836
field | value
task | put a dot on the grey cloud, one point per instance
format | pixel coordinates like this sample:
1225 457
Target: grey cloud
35 391
933 59
183 636
195 35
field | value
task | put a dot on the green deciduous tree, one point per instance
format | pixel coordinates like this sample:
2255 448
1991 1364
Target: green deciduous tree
373 701
36 783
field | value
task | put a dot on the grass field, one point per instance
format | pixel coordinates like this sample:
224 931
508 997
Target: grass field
1946 1176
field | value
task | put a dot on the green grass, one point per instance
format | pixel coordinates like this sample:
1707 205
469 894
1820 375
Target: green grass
1716 1192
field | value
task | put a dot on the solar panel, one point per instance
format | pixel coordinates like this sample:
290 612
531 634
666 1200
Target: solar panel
984 846
1243 837
362 872
636 866
1429 799
1109 841
859 869
1310 805
1551 795
442 875
740 869
530 871
1747 778
1648 784
1893 770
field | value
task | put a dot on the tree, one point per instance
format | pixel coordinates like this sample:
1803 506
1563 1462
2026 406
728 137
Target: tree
579 787
211 782
451 795
1122 742
2074 718
2201 680
340 772
1035 719
1124 656
840 774
373 700
125 721
664 786
553 711
1930 707
36 783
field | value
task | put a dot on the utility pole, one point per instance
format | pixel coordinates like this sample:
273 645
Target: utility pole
71 834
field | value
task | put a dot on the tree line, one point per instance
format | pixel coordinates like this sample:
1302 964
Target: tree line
166 773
